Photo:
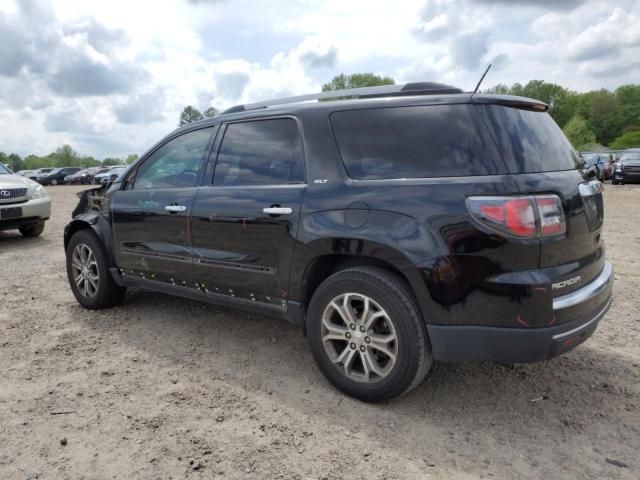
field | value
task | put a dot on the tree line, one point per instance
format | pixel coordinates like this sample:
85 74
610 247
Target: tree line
64 156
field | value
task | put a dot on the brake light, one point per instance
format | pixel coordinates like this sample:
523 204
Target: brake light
524 217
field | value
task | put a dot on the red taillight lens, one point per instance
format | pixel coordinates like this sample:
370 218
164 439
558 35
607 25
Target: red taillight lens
520 218
525 217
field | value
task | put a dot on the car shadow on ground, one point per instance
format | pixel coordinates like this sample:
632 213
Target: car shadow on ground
272 356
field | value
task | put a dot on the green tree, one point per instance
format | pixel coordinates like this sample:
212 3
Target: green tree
343 82
600 109
109 161
628 101
131 158
15 162
189 114
500 89
629 139
578 132
210 112
64 156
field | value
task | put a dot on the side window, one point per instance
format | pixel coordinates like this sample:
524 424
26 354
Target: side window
411 142
176 163
260 152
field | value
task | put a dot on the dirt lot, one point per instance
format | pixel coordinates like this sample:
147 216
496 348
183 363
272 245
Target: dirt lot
165 388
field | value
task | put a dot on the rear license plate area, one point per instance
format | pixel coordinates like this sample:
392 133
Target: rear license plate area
9 213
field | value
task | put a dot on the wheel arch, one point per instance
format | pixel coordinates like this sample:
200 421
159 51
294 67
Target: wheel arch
311 269
95 222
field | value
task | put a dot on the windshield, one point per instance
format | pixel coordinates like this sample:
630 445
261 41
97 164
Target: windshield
630 156
4 170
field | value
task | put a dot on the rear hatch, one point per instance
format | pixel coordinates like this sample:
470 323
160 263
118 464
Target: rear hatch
543 161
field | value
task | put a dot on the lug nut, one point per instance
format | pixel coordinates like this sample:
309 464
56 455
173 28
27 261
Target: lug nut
353 346
362 329
352 326
367 339
362 349
348 335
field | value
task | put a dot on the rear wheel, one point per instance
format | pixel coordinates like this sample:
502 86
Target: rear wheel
366 334
32 230
88 272
54 181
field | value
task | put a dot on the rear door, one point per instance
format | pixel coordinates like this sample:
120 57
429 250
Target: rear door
543 161
245 220
150 214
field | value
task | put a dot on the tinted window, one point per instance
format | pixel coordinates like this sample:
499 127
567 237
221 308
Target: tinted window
408 142
531 141
3 169
265 152
176 163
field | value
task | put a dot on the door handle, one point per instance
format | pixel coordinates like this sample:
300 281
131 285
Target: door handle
277 210
175 208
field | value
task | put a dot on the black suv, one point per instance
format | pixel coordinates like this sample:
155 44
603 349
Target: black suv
57 176
403 225
627 169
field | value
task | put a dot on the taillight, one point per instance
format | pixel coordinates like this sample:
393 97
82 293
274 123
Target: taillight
525 217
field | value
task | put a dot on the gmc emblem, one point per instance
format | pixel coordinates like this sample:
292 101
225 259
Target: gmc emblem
566 283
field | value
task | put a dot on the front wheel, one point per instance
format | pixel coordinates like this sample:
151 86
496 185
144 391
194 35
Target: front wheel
54 181
88 272
367 335
32 230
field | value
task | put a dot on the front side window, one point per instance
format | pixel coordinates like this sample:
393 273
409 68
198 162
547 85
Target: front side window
176 164
260 152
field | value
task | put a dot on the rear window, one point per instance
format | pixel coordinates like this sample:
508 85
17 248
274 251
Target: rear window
531 141
411 142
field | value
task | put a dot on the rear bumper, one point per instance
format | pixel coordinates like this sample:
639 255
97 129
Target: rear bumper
523 345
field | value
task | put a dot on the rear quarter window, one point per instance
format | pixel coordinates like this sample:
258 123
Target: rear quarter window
531 141
413 142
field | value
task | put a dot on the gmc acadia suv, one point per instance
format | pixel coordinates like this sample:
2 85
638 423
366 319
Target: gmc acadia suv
406 224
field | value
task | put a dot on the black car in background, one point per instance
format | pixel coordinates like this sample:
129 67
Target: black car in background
627 168
57 176
413 223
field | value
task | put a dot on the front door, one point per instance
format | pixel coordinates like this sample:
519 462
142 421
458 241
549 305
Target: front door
245 222
150 214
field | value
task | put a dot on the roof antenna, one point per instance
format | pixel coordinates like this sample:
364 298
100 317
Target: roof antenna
481 79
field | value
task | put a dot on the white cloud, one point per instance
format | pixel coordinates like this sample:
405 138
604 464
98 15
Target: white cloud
111 77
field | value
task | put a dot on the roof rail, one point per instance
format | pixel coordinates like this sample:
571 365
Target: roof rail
416 88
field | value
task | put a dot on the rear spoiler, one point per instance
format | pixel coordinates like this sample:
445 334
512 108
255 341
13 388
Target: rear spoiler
522 103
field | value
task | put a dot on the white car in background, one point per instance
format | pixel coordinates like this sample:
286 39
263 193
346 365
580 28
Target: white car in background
110 175
24 204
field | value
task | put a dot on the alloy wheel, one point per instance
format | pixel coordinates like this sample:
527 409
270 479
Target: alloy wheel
85 270
359 337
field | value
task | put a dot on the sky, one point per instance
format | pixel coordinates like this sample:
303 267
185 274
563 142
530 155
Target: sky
110 77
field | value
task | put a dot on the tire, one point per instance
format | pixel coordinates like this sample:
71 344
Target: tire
391 301
614 182
54 181
32 230
98 290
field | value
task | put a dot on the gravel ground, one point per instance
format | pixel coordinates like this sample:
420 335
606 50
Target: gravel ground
163 388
